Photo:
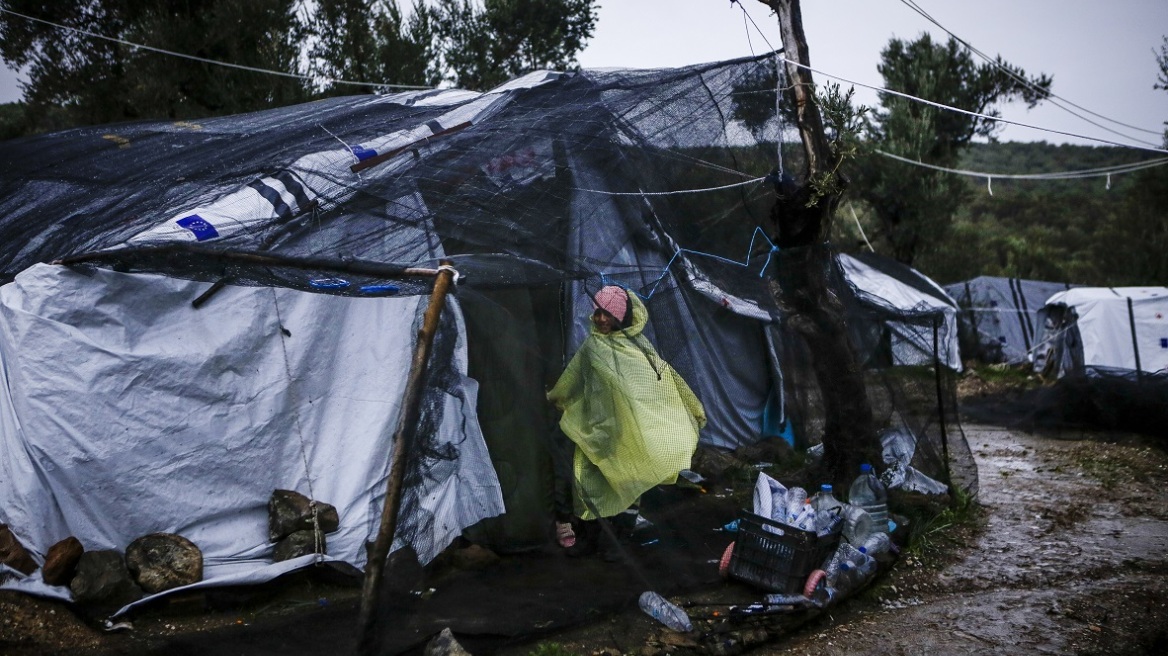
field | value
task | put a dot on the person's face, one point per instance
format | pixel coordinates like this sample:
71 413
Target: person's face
605 323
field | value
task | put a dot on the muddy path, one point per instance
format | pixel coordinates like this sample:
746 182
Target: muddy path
1071 558
1063 554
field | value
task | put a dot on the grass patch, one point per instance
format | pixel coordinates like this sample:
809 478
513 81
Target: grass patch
551 649
932 534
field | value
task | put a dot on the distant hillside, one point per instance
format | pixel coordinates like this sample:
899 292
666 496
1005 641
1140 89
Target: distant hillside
1066 230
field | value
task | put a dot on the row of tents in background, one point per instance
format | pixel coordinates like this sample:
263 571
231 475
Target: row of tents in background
1063 329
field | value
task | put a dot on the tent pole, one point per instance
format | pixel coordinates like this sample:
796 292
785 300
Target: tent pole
941 402
406 425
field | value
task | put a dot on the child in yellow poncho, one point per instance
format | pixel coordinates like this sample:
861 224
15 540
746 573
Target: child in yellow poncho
633 419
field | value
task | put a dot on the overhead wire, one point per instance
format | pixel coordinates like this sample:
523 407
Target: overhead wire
215 62
994 62
1069 174
1056 175
975 114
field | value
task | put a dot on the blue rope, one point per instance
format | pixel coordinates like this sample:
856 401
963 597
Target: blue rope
604 278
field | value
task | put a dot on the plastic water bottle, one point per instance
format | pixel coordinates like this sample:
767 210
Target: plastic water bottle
825 505
833 525
786 600
868 493
844 553
877 543
808 518
796 499
845 577
865 566
857 525
669 614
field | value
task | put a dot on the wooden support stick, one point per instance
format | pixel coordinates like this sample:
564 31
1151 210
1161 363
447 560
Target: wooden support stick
406 426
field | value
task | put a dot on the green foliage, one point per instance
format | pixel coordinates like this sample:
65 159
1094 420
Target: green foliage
914 206
551 649
929 533
369 40
13 122
484 45
98 81
78 79
1077 231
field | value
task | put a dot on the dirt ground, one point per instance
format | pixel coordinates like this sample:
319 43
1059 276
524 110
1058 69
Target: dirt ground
1063 554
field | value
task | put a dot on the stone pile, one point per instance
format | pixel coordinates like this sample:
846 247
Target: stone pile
105 578
298 524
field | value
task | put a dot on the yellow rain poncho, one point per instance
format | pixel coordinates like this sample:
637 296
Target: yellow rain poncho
633 419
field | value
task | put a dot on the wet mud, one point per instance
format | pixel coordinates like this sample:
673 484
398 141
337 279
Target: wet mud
1070 559
1064 554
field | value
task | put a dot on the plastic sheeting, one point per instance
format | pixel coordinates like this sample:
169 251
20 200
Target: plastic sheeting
911 344
1118 328
999 316
124 411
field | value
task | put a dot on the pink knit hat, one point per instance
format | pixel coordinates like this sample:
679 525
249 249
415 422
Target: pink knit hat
613 300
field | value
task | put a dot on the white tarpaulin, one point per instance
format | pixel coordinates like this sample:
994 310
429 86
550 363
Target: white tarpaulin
124 411
1115 327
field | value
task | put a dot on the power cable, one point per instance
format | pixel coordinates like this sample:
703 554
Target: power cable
204 60
975 114
994 62
1105 171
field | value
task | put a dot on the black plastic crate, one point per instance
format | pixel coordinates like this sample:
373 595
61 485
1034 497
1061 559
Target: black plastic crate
778 558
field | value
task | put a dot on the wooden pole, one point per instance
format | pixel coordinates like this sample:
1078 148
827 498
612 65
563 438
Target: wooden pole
406 425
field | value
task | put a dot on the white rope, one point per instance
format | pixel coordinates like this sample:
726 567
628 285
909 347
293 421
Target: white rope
668 193
975 114
317 534
860 227
204 60
1107 171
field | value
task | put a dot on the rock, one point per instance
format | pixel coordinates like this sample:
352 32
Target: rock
290 511
13 554
61 561
444 644
103 579
473 557
298 543
161 561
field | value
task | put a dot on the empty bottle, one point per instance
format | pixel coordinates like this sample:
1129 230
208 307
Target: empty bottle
865 566
669 614
786 600
857 525
796 498
808 518
877 543
833 525
826 505
844 553
868 493
845 578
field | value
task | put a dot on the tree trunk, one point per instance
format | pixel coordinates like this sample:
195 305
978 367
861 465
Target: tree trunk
802 223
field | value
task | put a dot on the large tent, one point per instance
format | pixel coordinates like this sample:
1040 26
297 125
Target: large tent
1100 330
199 313
999 316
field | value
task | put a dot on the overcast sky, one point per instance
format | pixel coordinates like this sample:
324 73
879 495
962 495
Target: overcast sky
1101 54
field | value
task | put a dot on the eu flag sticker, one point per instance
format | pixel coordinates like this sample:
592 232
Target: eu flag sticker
200 227
362 153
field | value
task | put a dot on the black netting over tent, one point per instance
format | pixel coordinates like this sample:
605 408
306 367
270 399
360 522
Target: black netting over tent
540 193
